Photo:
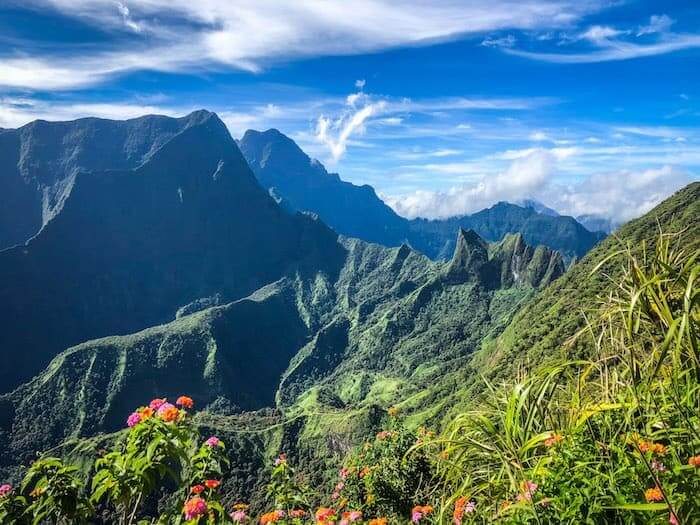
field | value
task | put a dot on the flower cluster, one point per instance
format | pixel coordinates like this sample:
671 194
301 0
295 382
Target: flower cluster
527 490
657 449
462 507
420 511
239 514
553 440
194 507
5 489
272 517
161 408
653 494
281 460
385 434
350 517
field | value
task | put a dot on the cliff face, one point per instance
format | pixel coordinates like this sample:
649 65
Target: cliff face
130 247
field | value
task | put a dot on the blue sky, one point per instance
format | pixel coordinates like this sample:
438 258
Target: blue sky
445 107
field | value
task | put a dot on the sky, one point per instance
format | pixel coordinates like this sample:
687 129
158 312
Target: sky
444 106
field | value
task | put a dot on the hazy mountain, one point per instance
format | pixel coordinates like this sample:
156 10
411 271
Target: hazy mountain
597 223
304 184
127 248
537 206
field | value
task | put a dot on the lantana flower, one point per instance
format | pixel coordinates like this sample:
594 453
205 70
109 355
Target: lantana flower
194 508
184 402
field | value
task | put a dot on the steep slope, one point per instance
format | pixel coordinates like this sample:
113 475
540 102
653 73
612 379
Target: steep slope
539 331
39 162
129 248
388 325
304 184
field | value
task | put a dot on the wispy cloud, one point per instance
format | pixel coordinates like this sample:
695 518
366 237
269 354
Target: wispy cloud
657 24
250 35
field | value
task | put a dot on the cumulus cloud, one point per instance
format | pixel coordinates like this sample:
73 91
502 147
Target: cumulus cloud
618 195
525 176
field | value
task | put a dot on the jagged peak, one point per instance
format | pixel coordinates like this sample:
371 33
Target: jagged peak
470 256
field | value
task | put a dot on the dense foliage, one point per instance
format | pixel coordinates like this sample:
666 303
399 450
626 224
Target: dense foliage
611 439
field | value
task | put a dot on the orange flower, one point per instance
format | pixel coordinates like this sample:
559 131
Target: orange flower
554 439
325 515
240 506
365 471
272 517
653 494
694 461
169 414
146 412
184 402
212 483
297 513
655 448
197 489
378 521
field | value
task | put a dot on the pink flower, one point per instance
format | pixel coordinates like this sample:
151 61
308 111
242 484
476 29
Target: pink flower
335 495
416 516
212 442
238 516
343 473
658 466
471 507
194 507
281 459
157 403
672 519
164 407
528 489
5 489
134 419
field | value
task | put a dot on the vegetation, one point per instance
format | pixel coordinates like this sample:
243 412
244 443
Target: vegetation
614 438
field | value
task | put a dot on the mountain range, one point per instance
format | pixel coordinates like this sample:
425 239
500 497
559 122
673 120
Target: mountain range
176 271
302 183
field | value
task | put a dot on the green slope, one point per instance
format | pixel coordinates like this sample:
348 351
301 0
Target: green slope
326 353
540 330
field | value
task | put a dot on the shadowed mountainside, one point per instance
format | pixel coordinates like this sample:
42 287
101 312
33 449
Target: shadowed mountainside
302 183
130 247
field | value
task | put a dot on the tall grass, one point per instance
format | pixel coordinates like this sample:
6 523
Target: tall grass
613 439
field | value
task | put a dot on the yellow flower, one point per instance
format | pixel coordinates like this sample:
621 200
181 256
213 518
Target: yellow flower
653 494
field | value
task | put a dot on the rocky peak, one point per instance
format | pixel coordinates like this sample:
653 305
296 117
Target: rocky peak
469 258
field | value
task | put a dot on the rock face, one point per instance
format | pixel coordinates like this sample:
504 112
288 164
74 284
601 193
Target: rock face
304 184
40 161
127 248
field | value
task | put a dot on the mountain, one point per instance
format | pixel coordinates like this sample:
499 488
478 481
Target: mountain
561 233
304 184
596 223
39 162
313 355
126 248
540 329
537 206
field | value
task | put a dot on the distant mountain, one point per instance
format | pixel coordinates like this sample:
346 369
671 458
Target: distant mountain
537 206
124 249
597 223
304 184
540 329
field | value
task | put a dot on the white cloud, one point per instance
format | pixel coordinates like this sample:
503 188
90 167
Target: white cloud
505 41
335 133
657 24
538 136
524 176
601 34
620 195
249 34
360 84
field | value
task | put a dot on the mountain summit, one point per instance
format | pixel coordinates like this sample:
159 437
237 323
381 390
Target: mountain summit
302 183
128 247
